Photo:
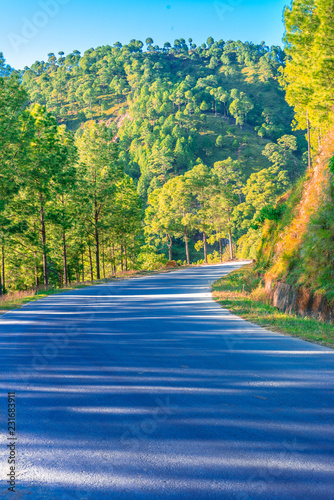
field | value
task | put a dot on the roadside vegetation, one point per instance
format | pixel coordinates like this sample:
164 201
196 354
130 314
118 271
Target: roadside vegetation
242 292
151 265
127 156
292 241
15 300
123 157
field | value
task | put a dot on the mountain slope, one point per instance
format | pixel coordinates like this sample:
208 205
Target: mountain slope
216 101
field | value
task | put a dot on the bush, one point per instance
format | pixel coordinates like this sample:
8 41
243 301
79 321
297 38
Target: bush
226 252
214 258
149 260
260 295
248 244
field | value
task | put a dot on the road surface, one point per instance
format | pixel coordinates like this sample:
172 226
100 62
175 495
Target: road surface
147 389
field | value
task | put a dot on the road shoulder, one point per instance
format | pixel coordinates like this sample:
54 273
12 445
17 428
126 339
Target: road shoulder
235 293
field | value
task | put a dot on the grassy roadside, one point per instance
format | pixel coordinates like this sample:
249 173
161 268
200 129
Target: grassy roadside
18 299
242 294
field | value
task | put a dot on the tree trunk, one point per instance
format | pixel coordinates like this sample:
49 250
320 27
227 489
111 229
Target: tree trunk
110 258
36 271
3 268
187 244
122 258
103 260
205 249
2 272
230 243
91 264
220 250
114 262
125 259
309 141
170 247
83 267
97 245
43 238
65 259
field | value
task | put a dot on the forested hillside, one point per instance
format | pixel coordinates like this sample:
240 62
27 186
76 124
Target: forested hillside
297 244
172 104
198 137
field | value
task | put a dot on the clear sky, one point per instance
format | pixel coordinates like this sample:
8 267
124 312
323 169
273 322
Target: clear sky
33 28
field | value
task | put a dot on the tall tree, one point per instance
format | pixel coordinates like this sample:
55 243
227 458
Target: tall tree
181 208
42 166
228 182
199 181
159 219
98 172
63 207
308 73
125 217
13 137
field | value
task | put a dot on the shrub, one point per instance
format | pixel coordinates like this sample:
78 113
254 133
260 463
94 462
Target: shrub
149 260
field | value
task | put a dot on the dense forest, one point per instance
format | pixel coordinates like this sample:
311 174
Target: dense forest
127 156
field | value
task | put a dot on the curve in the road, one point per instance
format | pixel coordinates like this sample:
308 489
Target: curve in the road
147 389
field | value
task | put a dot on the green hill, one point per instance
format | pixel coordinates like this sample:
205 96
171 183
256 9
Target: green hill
156 153
177 100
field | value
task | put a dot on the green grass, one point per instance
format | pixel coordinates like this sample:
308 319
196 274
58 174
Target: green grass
242 293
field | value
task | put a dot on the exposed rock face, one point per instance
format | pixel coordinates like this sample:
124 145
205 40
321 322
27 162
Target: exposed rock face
300 300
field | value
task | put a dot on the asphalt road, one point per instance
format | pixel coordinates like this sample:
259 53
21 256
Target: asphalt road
147 389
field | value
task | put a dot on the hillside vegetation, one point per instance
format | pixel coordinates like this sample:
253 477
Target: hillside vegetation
123 157
297 245
212 102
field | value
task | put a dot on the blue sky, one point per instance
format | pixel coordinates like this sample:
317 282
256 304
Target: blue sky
33 28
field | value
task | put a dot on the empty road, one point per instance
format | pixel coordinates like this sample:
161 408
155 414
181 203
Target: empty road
148 389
